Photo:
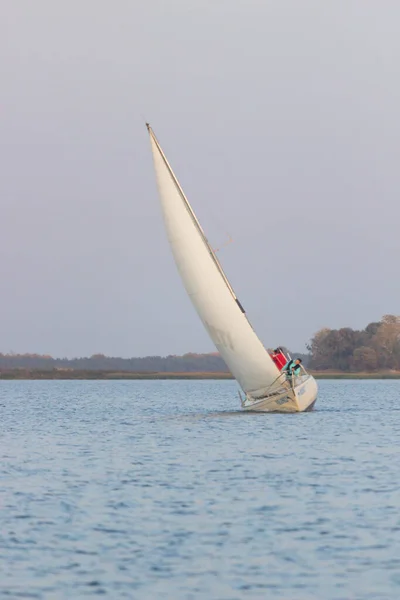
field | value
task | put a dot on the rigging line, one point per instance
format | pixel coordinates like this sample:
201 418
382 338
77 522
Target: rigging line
216 219
221 226
230 241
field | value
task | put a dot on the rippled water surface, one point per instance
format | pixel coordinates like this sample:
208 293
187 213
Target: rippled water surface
162 489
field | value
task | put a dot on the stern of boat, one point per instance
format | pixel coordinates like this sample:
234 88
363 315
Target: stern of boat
306 392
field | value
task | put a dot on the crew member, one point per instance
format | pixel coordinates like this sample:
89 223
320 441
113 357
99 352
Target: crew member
292 367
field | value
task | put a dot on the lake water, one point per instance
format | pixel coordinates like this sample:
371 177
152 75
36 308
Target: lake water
163 490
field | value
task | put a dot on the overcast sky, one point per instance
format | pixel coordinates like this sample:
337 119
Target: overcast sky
280 118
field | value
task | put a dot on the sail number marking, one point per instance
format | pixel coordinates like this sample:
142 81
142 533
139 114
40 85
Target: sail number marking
282 400
221 338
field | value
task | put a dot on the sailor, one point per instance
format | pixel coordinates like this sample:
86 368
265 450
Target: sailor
292 367
278 357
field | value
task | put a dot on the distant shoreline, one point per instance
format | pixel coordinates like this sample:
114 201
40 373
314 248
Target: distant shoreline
79 374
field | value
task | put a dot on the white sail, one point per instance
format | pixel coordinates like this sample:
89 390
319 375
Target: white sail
208 287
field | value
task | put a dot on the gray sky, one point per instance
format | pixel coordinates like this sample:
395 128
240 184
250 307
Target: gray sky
281 120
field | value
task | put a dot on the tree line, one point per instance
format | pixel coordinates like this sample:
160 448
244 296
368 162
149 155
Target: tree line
375 348
188 363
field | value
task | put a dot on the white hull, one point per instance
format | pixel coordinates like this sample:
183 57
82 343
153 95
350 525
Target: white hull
300 398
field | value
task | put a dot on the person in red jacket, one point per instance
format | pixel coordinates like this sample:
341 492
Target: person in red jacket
279 358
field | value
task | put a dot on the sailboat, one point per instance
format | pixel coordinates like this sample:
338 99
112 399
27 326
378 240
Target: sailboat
265 388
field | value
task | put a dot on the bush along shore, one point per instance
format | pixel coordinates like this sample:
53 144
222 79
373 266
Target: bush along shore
80 374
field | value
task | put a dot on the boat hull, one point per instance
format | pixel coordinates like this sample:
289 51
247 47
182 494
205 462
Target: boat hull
301 398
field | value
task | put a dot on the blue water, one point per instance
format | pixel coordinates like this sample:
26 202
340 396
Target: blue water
159 489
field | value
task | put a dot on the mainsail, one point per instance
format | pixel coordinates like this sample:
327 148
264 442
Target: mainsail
209 289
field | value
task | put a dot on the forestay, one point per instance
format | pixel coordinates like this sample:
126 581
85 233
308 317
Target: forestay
208 287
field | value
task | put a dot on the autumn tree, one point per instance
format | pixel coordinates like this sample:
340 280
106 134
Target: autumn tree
364 359
386 341
375 347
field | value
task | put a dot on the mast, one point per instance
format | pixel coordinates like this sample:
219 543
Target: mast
194 218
